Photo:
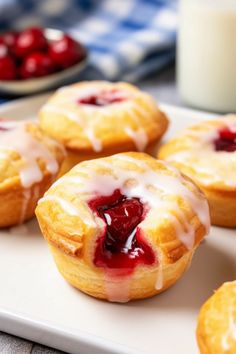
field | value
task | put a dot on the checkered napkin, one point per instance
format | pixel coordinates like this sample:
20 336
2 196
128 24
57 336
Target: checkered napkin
127 39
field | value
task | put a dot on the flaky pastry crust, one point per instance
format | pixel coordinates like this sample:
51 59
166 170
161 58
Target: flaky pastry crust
89 131
216 328
174 225
193 153
18 201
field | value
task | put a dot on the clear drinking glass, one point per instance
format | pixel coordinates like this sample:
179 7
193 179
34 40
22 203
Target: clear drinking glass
206 54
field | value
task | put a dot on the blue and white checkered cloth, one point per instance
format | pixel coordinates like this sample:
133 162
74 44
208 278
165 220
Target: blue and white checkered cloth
127 39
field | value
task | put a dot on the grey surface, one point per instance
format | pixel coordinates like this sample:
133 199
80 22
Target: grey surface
162 87
11 345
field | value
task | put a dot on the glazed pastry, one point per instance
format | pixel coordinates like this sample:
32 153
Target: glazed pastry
206 152
99 118
123 227
216 329
29 163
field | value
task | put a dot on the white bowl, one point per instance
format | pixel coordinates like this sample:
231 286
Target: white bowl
29 86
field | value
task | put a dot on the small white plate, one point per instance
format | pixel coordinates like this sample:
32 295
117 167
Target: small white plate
36 303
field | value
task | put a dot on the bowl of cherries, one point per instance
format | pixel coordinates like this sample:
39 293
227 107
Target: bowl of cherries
37 59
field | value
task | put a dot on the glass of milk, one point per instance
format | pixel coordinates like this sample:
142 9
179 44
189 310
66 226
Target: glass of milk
206 54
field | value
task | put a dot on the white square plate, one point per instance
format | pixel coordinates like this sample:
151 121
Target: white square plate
36 303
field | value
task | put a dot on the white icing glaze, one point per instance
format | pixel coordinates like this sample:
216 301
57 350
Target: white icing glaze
96 143
87 129
73 94
183 229
51 108
117 288
68 207
139 138
129 240
169 184
25 202
162 204
146 184
30 150
76 93
138 135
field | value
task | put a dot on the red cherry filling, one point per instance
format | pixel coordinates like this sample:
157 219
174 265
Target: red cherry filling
103 98
122 246
226 140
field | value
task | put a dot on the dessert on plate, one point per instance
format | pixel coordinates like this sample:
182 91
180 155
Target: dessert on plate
206 152
29 163
123 227
99 118
216 329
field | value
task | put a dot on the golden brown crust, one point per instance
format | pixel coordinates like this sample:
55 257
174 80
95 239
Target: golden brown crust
222 206
11 162
73 157
69 225
193 153
17 203
216 328
142 285
76 126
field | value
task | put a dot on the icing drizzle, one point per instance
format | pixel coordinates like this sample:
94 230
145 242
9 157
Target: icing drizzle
135 132
201 149
155 189
14 137
18 139
105 184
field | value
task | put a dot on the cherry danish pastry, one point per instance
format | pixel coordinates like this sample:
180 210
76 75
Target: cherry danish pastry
29 164
216 329
98 118
123 227
206 152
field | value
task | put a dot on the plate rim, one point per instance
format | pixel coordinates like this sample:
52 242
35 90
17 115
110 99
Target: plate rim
39 330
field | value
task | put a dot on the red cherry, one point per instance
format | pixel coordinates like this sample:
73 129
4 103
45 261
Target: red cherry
7 68
4 51
228 134
123 218
226 140
65 52
30 40
10 39
36 65
103 98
